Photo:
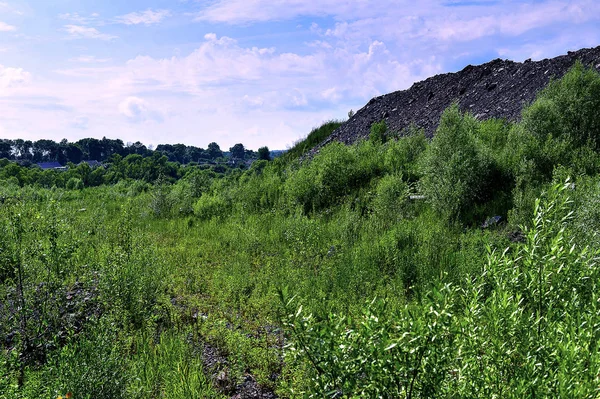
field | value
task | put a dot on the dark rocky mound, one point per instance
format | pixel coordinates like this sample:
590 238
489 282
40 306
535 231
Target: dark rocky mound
497 89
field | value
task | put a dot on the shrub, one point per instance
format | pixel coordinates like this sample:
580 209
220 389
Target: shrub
525 327
328 177
560 124
378 132
93 366
74 184
454 168
211 206
402 155
567 109
314 138
391 197
161 202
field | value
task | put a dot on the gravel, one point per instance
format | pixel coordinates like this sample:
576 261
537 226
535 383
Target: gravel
497 89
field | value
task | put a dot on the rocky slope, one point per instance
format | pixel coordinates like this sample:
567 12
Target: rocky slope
497 89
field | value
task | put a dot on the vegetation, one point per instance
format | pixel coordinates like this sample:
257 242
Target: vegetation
314 138
461 267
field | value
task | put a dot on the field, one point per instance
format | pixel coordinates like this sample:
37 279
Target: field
399 267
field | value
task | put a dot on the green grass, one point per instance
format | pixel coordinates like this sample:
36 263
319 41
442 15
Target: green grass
314 138
326 274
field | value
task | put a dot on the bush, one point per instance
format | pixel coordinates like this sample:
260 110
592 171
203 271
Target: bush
328 177
567 109
211 206
93 367
161 202
391 197
378 132
525 327
74 184
402 155
314 138
454 168
558 127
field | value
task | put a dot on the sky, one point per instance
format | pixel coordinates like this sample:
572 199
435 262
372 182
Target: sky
256 72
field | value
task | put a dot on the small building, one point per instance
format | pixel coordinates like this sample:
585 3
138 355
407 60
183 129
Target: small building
93 164
51 166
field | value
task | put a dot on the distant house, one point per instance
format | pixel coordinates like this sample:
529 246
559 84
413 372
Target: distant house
51 166
93 164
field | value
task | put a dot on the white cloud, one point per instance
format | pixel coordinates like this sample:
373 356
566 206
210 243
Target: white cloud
244 11
136 109
89 59
82 20
80 122
147 17
7 8
133 107
218 92
509 22
13 77
84 32
408 20
4 27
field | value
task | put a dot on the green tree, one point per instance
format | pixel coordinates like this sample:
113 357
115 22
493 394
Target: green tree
214 151
453 167
237 151
264 153
562 127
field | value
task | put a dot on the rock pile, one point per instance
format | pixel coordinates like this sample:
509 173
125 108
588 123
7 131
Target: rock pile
497 89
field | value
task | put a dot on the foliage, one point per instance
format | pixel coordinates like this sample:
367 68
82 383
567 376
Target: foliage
314 138
378 132
454 169
120 287
74 184
264 154
515 331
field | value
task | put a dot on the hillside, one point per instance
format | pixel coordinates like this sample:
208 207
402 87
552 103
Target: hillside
146 279
497 89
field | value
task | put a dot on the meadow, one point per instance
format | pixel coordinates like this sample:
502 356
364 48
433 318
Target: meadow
462 266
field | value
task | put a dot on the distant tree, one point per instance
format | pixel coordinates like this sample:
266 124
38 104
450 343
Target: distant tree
194 153
92 148
110 147
264 153
45 150
73 153
238 151
214 151
5 149
249 154
180 152
139 149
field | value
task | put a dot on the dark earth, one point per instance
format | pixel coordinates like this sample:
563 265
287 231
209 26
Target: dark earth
497 89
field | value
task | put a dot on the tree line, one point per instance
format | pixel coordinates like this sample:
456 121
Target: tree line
103 149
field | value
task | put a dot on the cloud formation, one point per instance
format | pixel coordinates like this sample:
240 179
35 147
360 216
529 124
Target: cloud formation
86 32
12 77
148 17
89 59
4 27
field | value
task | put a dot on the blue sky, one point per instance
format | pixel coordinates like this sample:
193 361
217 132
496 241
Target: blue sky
259 72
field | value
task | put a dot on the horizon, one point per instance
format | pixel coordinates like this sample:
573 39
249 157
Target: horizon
248 71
